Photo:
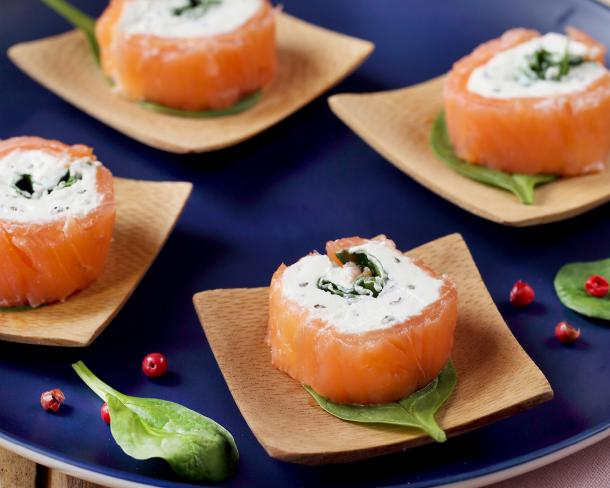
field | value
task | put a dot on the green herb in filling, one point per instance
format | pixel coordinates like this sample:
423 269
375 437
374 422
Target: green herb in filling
545 65
196 8
25 185
69 179
370 282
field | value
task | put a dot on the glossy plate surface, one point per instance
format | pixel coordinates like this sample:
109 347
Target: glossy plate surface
278 196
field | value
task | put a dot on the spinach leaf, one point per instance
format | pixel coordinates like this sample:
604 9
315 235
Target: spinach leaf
195 446
417 410
244 104
86 24
21 308
521 185
570 288
80 20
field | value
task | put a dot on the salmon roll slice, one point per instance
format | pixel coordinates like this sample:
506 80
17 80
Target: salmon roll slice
188 54
363 324
532 103
56 220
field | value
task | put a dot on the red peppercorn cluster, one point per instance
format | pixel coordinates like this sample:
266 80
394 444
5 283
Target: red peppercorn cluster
523 294
154 365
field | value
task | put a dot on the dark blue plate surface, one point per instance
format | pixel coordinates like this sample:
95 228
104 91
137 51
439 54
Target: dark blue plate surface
278 196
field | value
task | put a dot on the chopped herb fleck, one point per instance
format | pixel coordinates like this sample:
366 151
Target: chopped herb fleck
304 284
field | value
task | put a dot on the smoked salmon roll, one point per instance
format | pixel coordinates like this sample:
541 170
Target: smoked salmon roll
363 324
56 220
532 103
188 54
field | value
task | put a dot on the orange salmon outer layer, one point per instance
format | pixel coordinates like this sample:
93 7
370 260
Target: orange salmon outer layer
561 134
47 262
378 366
189 74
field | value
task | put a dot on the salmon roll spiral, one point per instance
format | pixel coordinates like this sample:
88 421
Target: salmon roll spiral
527 103
363 324
188 54
56 219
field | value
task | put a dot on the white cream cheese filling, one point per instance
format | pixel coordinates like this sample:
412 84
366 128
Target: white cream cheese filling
506 75
37 186
174 18
408 290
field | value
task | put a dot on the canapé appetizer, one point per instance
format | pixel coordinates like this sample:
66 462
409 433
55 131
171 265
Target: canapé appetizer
530 103
192 55
56 220
363 324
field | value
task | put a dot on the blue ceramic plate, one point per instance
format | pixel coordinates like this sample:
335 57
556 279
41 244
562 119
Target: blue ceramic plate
278 196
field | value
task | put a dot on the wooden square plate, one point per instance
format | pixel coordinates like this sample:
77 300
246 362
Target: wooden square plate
397 124
146 213
311 60
496 378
